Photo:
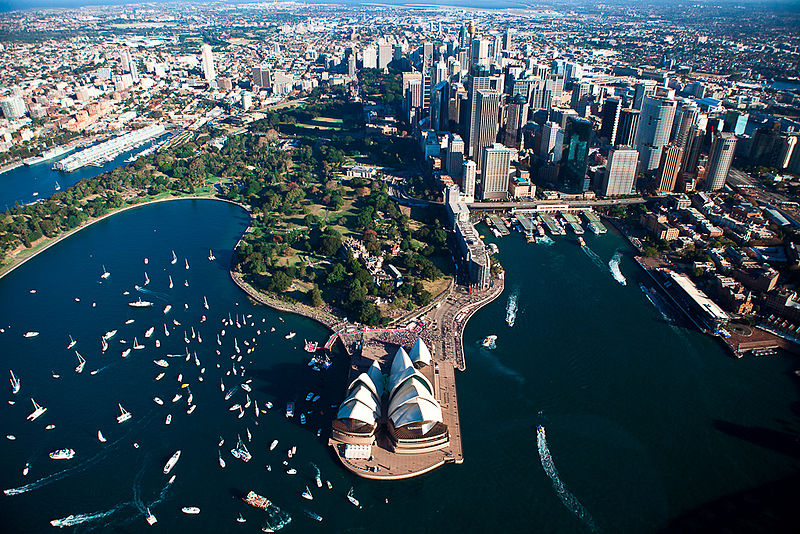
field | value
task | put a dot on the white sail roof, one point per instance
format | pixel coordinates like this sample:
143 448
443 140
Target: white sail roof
357 410
376 375
420 353
410 390
400 362
423 410
407 374
365 395
367 381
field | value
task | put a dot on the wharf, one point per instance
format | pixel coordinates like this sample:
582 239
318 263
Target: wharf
573 222
593 218
498 224
525 222
758 340
551 225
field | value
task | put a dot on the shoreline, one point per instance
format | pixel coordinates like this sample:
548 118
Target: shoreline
14 265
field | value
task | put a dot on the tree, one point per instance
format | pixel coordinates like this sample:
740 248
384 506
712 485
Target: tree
337 274
316 297
329 245
280 282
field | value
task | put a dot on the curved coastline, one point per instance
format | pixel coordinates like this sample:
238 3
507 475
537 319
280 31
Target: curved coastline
89 223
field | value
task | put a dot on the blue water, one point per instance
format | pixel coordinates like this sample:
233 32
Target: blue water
645 419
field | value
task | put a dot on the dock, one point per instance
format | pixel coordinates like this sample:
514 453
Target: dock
573 222
498 225
592 218
552 225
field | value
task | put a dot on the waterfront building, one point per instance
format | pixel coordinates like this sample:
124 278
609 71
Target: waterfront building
719 160
474 251
669 168
655 125
495 170
620 173
574 161
207 62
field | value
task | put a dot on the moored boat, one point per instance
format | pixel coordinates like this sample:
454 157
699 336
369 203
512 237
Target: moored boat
171 462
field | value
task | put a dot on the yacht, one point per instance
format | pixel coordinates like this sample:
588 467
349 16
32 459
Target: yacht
14 383
140 303
150 518
149 331
123 415
62 454
37 411
273 444
72 343
191 510
174 258
108 335
290 335
81 362
161 363
105 274
100 437
172 461
158 401
30 334
168 419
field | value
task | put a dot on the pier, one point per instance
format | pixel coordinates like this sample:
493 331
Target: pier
498 225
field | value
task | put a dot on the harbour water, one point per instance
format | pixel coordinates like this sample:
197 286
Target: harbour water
642 419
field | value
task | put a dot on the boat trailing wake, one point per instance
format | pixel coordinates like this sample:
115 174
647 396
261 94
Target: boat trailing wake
569 500
613 265
511 307
72 520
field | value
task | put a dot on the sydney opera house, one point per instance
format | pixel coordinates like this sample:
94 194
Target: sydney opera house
396 411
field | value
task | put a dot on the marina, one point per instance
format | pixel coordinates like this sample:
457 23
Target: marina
108 150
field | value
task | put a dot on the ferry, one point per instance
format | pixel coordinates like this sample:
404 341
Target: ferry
140 303
256 500
124 414
172 461
62 454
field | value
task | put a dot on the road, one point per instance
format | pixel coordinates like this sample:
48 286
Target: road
571 203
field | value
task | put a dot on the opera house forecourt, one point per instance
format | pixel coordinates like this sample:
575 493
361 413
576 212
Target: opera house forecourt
392 426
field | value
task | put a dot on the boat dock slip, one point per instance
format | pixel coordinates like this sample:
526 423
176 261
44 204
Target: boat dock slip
573 222
527 226
498 224
554 228
592 217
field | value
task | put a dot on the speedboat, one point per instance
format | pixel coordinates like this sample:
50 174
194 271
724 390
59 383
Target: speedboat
158 401
62 454
172 461
186 260
37 411
159 376
170 282
124 415
240 519
26 469
205 302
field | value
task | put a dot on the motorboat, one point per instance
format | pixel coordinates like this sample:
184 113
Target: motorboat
158 401
290 409
161 363
149 332
125 353
273 444
30 334
205 302
241 452
221 461
62 454
124 415
171 462
352 499
191 510
108 335
167 308
100 437
211 256
168 419
105 274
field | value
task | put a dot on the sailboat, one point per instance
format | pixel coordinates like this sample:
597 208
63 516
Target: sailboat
37 411
205 302
170 281
211 256
14 383
136 345
174 258
72 343
103 344
124 414
186 260
221 461
146 279
105 274
100 437
241 452
81 362
150 518
352 499
307 494
57 186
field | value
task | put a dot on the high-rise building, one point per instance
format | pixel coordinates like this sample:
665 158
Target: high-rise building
517 118
580 98
370 58
611 112
670 166
628 127
552 142
488 109
655 125
261 77
684 120
439 113
207 62
553 91
496 165
468 180
455 156
719 160
384 55
13 107
508 37
479 54
640 91
577 136
691 153
735 122
478 83
620 173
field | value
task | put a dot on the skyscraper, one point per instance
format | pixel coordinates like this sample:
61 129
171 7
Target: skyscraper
477 83
207 62
611 112
455 156
628 127
684 120
468 180
517 118
439 109
552 142
487 109
669 168
719 160
691 153
640 91
370 58
620 174
577 136
508 37
655 125
496 163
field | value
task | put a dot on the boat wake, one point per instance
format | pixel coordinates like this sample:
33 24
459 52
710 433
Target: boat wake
545 240
503 369
72 520
511 307
613 266
594 257
156 294
569 500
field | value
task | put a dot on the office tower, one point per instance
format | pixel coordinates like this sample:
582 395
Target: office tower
552 142
691 153
261 77
508 37
478 83
439 113
497 48
462 36
487 112
611 113
370 58
439 73
620 174
468 180
496 164
640 91
455 156
384 55
669 168
655 125
580 96
207 62
517 118
684 120
719 160
577 136
553 91
125 60
479 53
735 122
351 65
13 107
628 127
456 104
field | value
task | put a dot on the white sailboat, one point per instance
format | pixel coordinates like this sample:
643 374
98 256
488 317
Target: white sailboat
103 344
37 411
100 437
72 343
307 494
105 274
137 345
174 258
146 279
211 256
170 282
149 331
221 461
124 415
186 260
14 383
81 362
205 302
150 518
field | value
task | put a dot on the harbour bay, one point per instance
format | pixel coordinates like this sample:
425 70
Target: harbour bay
645 419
